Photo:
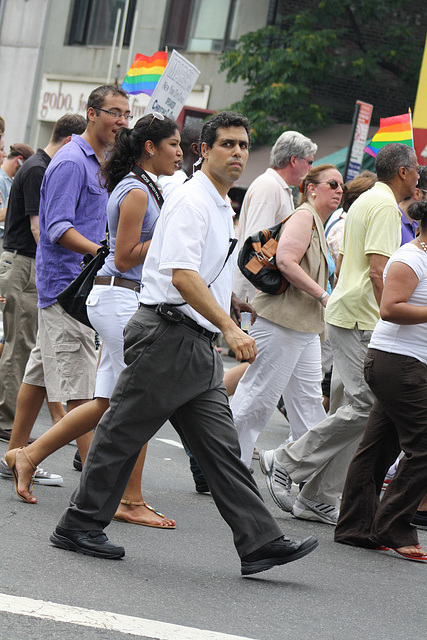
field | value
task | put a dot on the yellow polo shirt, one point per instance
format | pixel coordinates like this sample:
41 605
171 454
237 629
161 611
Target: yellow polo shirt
372 226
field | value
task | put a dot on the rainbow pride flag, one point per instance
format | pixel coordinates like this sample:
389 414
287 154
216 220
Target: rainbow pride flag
145 73
394 129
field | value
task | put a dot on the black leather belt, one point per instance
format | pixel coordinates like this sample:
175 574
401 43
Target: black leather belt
177 317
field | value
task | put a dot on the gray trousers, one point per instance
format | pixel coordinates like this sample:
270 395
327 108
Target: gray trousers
170 369
325 452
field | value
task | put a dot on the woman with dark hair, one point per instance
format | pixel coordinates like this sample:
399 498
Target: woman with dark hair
288 326
396 371
138 157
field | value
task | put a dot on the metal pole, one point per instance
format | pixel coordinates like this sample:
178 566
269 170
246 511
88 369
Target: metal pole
37 79
350 145
122 35
113 46
132 40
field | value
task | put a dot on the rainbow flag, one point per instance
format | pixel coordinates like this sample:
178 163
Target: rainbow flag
145 73
394 129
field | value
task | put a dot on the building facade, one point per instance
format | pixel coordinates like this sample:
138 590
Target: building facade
54 52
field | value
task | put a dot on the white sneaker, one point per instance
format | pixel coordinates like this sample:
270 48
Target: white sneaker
40 476
315 511
278 480
255 454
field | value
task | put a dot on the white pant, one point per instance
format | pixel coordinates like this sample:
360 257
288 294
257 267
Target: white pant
289 364
109 309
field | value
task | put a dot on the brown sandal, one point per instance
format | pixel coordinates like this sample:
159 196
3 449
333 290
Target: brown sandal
122 518
10 459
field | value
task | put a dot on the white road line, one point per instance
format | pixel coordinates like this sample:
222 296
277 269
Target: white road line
174 443
141 627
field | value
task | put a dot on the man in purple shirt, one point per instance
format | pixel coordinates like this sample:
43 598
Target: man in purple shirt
72 220
18 272
409 226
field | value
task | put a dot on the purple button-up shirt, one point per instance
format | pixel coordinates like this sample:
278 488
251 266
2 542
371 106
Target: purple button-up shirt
71 197
409 229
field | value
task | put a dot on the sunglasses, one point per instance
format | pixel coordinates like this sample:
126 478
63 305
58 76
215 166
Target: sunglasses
333 184
156 116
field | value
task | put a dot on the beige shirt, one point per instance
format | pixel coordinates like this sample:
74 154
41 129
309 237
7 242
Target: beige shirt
296 309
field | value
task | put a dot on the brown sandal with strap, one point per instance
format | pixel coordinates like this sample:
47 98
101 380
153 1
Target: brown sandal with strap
119 517
10 459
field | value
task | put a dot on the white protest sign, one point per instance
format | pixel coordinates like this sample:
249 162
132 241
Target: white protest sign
174 87
360 138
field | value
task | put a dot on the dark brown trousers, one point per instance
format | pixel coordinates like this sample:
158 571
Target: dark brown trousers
397 422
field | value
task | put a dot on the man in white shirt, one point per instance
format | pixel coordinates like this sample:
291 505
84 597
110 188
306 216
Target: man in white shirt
173 367
269 200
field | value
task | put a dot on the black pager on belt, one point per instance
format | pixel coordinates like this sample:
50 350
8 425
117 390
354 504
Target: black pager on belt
169 312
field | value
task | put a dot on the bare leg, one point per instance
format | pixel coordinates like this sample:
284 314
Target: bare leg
84 438
74 425
56 410
28 404
78 422
423 504
232 377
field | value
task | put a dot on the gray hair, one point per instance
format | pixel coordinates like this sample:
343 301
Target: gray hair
290 143
391 157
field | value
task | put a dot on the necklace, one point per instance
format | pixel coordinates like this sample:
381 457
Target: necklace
423 245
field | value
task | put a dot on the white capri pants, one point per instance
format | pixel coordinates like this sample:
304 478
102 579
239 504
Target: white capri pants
288 363
109 309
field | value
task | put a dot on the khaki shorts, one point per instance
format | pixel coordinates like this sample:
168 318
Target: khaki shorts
64 358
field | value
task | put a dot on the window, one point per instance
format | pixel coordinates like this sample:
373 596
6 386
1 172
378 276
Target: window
92 22
201 25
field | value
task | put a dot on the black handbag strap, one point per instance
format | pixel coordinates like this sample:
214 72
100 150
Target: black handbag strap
145 178
233 242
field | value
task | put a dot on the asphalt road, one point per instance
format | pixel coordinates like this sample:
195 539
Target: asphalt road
190 577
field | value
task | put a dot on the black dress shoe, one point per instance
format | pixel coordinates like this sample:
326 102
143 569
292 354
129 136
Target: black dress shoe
91 543
279 551
5 435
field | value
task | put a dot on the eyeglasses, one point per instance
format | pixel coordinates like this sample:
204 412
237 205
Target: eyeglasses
156 116
333 184
114 113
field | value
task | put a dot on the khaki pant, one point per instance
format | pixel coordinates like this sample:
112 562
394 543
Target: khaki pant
64 358
18 286
325 452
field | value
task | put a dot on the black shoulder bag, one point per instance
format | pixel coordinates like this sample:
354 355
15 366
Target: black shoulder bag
73 298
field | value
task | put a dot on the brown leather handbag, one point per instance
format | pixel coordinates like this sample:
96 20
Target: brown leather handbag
257 260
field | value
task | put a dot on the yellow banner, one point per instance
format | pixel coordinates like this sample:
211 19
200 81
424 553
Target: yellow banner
420 109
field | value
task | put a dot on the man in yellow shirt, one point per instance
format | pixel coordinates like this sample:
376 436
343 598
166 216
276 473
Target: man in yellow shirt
372 234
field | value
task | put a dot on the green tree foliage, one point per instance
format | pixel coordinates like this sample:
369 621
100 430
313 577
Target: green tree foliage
300 70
